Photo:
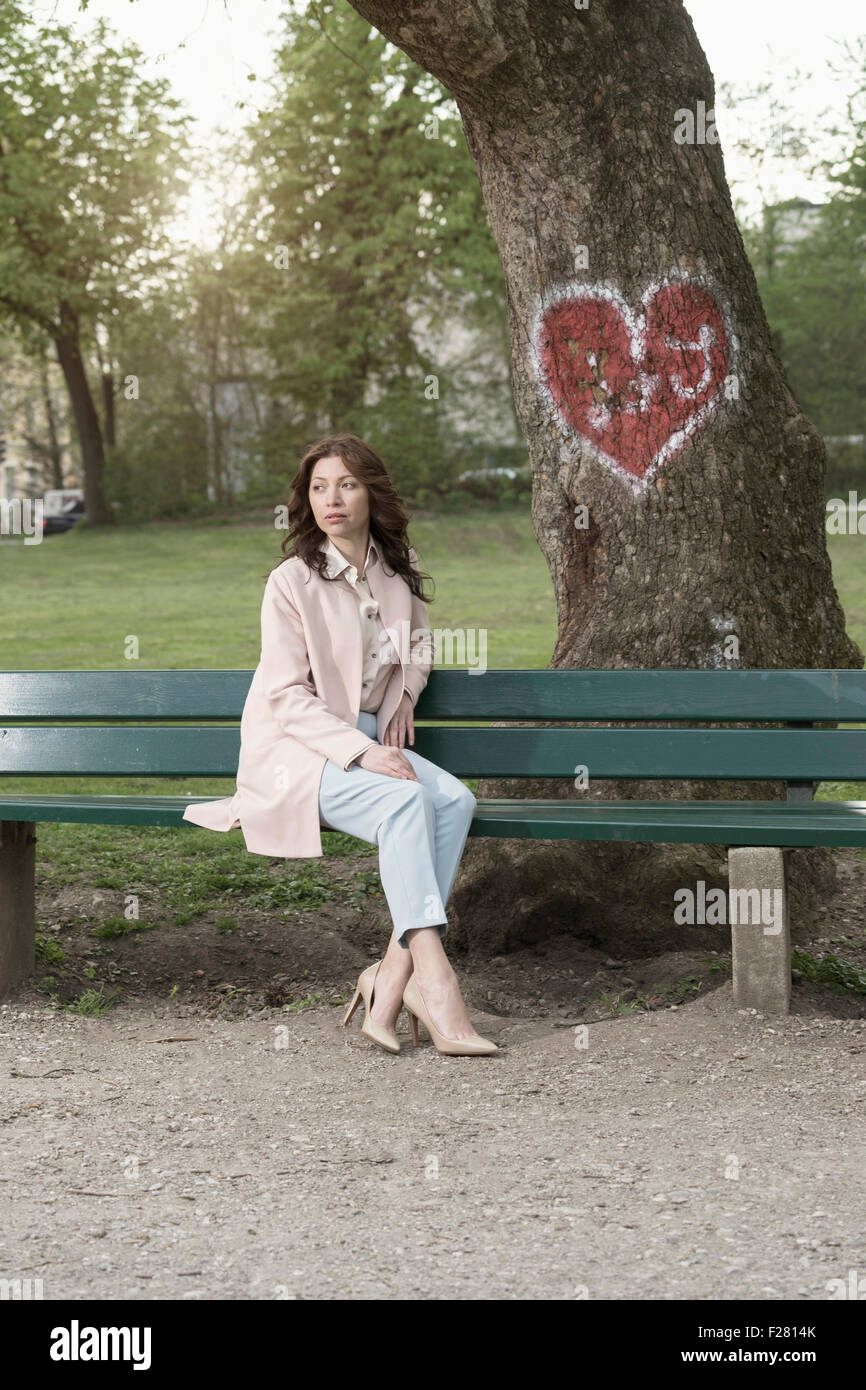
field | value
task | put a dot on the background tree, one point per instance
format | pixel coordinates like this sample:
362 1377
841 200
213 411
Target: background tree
34 410
647 386
813 285
89 153
814 290
364 180
160 466
809 252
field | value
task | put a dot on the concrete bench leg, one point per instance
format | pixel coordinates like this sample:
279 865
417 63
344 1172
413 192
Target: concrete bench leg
760 930
17 902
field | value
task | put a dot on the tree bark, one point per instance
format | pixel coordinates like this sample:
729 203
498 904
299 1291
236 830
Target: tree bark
55 453
48 449
108 409
677 487
67 342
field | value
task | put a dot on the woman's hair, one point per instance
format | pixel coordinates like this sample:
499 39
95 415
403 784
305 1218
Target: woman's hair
388 519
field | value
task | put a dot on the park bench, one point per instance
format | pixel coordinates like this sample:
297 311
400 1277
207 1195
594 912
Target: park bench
185 724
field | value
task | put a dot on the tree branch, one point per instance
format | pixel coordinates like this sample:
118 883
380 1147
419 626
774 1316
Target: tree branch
458 41
321 23
24 311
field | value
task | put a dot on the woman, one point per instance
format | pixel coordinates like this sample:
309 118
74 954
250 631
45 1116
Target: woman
346 651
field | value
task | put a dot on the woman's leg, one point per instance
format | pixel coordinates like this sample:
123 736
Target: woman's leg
398 816
421 828
454 806
438 984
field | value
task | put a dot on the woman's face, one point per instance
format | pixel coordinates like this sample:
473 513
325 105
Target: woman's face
340 503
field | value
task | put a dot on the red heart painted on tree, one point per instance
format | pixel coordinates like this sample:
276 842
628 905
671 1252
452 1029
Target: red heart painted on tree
637 384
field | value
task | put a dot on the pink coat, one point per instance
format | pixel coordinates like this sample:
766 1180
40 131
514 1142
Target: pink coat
302 706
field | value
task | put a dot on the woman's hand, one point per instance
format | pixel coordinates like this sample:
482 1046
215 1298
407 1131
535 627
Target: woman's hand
390 761
401 724
386 757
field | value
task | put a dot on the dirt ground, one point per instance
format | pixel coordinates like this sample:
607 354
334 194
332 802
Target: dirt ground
218 1134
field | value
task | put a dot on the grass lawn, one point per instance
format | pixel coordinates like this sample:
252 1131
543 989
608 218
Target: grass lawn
191 593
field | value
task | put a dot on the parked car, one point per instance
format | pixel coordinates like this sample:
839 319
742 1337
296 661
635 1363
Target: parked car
62 512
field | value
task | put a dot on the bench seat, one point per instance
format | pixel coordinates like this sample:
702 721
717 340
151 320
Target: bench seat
184 724
781 823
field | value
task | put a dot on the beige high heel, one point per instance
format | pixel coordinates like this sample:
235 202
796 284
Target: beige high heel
376 1032
454 1047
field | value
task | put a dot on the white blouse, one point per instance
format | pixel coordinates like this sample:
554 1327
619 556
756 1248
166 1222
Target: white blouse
380 656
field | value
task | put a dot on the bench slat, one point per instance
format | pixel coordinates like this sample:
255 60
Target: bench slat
804 695
696 696
102 809
212 751
772 823
186 694
831 823
109 751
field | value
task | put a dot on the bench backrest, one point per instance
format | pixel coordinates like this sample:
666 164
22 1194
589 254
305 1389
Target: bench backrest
184 723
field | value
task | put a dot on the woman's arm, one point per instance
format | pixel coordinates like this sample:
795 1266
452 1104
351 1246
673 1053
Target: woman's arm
416 674
288 682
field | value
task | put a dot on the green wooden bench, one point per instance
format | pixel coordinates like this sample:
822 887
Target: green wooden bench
185 724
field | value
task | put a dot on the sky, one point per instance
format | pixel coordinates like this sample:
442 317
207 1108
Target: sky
209 48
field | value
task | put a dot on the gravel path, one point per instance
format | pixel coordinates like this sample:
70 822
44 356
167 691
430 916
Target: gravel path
698 1152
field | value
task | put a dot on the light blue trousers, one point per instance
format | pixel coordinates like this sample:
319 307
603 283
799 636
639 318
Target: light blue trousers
420 828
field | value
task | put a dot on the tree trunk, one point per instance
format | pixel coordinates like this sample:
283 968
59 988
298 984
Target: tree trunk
49 449
108 409
210 319
54 450
677 486
68 346
215 439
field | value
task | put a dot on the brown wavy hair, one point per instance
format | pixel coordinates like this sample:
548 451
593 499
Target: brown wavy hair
388 518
